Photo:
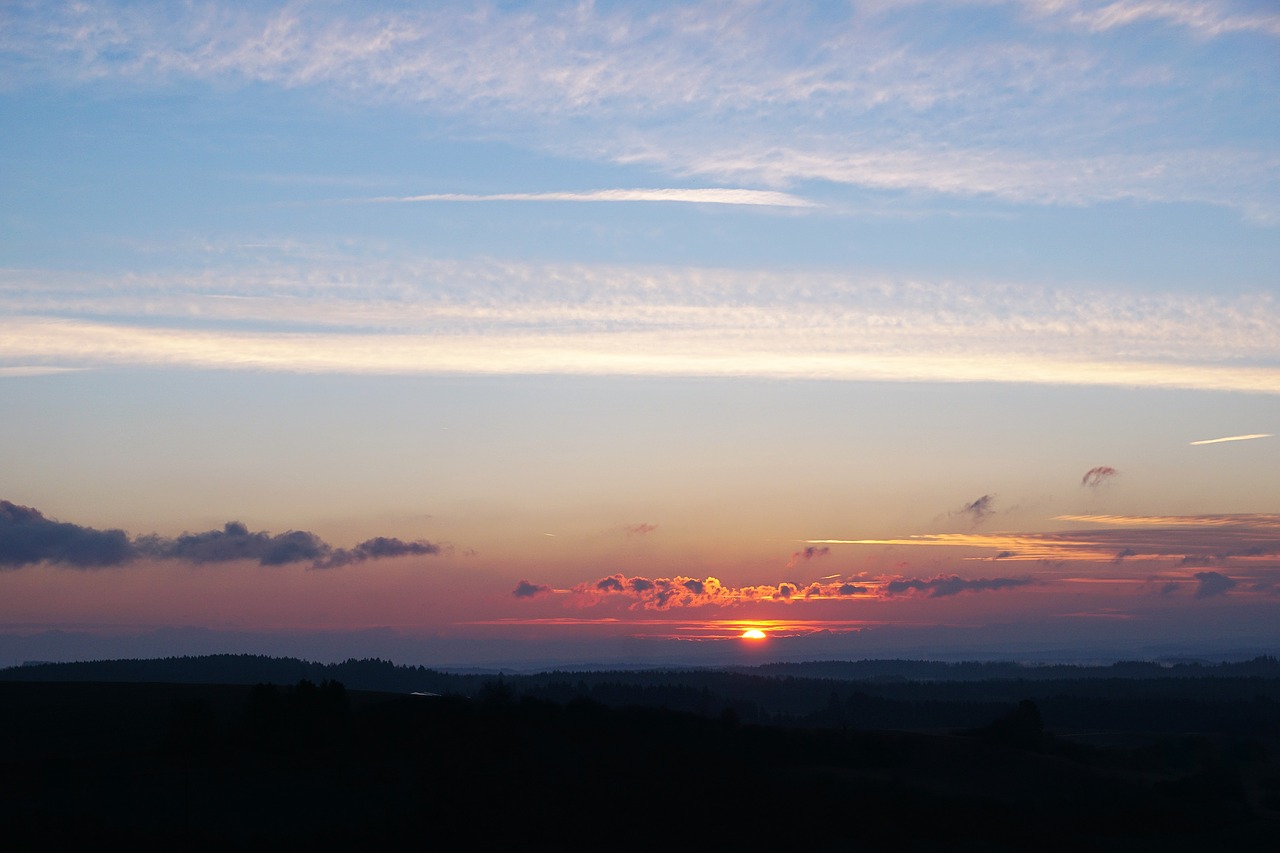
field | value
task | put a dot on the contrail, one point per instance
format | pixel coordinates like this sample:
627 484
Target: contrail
1234 438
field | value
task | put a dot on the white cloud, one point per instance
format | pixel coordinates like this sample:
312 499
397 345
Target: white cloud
33 370
1208 20
649 353
710 195
436 316
775 93
1249 437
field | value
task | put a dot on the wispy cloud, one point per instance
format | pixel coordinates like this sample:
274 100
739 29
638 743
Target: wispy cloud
33 370
811 552
853 98
977 511
1205 19
1233 438
720 352
1260 521
330 313
1097 476
1177 539
762 198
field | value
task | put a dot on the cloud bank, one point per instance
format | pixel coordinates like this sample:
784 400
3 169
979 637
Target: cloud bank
641 593
28 538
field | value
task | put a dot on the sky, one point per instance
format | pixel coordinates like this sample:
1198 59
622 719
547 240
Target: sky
520 334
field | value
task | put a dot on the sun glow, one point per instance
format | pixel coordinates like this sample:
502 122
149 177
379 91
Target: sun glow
753 634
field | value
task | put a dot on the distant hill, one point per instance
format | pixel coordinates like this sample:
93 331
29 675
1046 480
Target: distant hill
369 674
1237 698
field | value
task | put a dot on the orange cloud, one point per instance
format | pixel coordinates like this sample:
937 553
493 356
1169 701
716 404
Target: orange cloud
692 629
1187 538
682 592
1258 520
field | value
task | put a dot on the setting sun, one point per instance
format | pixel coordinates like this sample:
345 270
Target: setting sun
753 634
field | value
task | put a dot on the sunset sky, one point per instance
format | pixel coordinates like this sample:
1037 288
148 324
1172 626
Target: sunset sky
519 334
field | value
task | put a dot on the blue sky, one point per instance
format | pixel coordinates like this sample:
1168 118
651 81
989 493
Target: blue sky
525 279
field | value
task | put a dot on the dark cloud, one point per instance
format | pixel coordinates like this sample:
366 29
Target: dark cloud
27 537
525 589
232 542
376 549
812 552
663 593
852 589
618 584
1095 477
694 586
1004 554
386 546
640 529
1212 583
235 542
979 510
294 547
611 584
785 591
940 587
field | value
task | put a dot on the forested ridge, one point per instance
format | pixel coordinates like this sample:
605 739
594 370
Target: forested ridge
254 752
1241 697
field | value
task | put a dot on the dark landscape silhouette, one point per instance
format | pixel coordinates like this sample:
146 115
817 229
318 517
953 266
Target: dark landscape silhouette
252 751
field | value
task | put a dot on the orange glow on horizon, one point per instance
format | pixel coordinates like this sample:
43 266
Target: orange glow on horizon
660 627
753 634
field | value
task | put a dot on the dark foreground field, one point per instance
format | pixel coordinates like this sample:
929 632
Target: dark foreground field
218 766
